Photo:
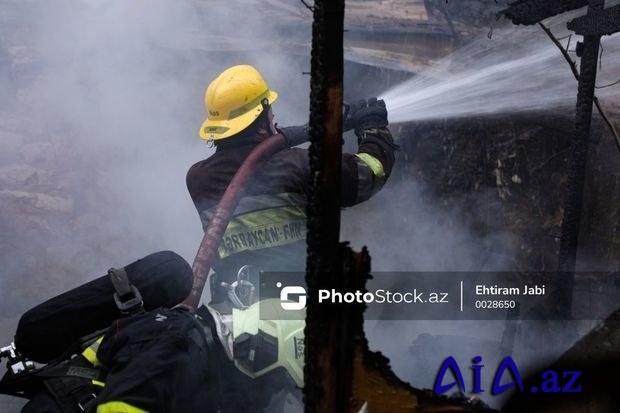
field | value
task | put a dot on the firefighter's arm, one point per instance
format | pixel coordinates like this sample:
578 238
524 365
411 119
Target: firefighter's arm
294 135
365 173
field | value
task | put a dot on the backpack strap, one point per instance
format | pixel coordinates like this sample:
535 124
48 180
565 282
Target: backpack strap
127 297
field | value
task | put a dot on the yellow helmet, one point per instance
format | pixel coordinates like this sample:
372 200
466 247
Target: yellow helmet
233 101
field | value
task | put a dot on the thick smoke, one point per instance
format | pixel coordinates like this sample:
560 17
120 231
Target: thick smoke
407 229
127 78
109 99
113 91
121 84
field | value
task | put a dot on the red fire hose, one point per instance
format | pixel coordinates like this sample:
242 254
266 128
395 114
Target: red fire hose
225 209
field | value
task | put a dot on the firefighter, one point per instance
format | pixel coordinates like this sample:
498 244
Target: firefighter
227 358
268 229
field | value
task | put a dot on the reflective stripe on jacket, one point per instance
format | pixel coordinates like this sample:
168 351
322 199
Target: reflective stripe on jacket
118 407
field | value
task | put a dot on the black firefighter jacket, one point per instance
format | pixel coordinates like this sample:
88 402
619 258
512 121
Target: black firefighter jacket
268 228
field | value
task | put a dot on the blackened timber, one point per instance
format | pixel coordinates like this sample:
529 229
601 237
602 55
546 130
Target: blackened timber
529 12
598 23
327 374
578 154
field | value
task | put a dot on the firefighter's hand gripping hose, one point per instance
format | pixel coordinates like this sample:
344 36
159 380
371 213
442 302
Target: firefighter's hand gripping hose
365 114
223 214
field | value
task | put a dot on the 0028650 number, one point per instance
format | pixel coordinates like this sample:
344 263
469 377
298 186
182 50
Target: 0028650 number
492 304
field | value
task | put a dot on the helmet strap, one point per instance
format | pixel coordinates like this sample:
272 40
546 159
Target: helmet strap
210 142
265 103
266 107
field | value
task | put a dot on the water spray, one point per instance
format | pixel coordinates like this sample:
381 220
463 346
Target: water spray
518 70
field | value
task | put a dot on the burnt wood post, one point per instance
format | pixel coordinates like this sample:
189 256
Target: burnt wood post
578 155
327 371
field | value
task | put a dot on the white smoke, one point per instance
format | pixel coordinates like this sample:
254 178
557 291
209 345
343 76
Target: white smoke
115 88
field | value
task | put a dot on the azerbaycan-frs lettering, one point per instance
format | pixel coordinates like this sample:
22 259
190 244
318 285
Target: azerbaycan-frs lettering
265 237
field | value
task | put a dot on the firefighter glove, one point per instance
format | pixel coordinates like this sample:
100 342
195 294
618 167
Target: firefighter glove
370 114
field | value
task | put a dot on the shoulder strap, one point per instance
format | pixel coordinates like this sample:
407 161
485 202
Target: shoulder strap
127 297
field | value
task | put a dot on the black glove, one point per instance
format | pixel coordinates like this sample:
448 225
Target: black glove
294 135
370 114
349 111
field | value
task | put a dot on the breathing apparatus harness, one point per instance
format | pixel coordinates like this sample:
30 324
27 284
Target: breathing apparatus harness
65 376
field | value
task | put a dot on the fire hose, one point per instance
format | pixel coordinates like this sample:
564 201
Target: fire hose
223 214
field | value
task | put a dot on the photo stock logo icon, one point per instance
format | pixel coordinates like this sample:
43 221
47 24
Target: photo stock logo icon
292 297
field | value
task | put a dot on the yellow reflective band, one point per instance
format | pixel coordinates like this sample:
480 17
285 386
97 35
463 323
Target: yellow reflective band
118 407
248 106
375 165
90 353
215 129
263 229
98 383
259 202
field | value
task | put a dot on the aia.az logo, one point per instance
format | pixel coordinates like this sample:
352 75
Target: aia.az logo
551 380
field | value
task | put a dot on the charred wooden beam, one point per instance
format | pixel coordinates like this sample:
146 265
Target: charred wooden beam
578 155
327 370
529 12
597 23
